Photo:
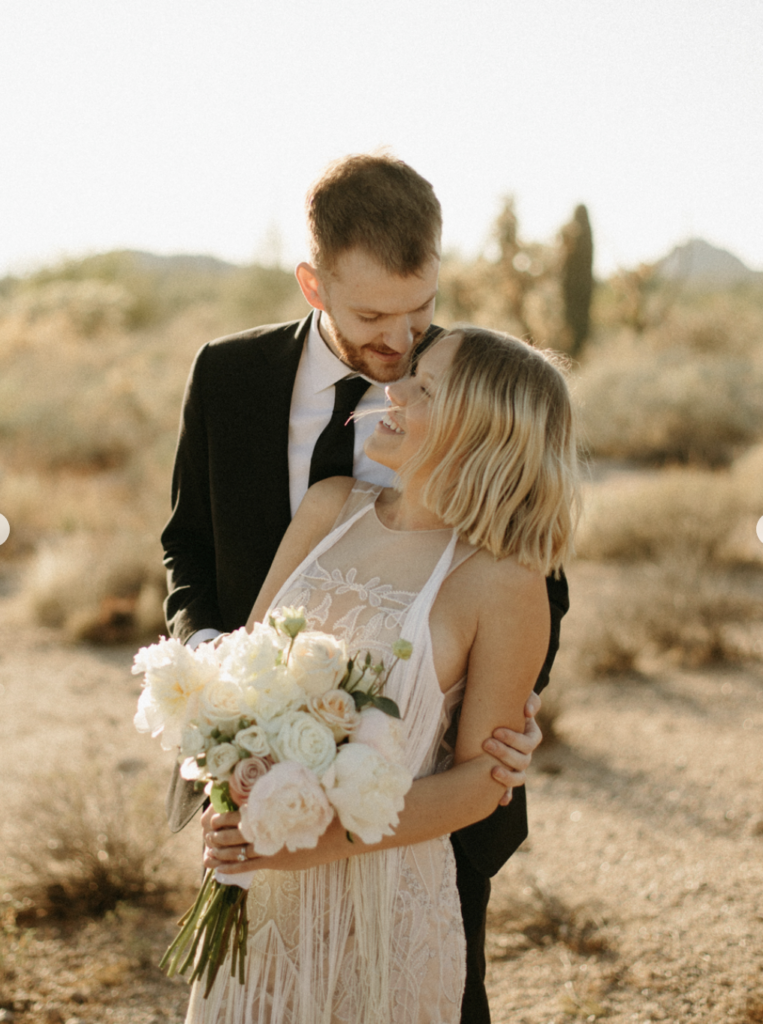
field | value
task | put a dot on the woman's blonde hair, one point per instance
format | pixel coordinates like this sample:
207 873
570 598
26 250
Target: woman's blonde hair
501 442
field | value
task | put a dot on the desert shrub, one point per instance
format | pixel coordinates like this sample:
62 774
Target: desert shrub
712 324
680 607
97 838
82 308
535 916
635 517
747 475
670 406
100 588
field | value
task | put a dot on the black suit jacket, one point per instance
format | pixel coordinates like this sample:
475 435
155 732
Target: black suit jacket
230 509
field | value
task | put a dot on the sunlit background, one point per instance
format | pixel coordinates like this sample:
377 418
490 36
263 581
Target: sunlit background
193 126
132 129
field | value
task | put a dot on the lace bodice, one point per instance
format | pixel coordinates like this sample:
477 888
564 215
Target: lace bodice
363 587
376 938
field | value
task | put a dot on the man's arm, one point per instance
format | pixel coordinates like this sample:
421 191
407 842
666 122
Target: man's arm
188 539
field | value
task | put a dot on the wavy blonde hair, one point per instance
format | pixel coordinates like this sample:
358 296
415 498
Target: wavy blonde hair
502 445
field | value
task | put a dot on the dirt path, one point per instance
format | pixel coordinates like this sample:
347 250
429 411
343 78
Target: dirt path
637 897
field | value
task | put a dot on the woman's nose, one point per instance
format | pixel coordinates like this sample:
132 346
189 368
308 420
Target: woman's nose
395 393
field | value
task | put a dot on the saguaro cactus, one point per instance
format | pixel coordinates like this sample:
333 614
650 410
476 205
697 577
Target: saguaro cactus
577 277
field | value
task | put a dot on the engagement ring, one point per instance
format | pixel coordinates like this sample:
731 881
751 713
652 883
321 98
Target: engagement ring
241 855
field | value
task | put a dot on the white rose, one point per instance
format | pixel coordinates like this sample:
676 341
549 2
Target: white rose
254 740
367 791
381 731
173 680
297 736
318 662
244 655
270 694
286 807
221 760
220 705
336 709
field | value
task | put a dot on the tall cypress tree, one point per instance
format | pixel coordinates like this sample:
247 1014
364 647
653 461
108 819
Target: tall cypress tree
577 277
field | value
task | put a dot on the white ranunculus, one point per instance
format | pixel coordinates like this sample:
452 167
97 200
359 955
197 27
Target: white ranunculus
367 791
220 705
270 694
297 736
336 709
287 807
221 760
318 662
254 740
173 680
244 656
381 731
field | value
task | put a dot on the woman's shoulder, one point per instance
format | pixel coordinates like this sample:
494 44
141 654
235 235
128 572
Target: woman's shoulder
325 499
499 580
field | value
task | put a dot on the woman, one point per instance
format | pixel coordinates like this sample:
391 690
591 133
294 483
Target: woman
454 559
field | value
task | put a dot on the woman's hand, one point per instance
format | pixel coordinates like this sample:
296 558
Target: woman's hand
226 848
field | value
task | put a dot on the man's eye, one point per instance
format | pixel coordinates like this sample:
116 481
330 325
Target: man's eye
368 319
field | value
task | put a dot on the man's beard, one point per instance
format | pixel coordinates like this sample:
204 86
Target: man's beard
356 358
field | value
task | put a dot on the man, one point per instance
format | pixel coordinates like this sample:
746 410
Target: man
264 416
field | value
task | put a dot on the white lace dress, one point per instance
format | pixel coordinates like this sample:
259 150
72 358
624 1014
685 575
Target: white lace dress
377 938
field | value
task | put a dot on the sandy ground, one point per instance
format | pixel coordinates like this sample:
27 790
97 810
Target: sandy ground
638 896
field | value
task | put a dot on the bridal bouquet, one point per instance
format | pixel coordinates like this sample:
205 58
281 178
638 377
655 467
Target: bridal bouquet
282 725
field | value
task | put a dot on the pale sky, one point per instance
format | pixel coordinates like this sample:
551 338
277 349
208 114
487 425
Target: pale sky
197 125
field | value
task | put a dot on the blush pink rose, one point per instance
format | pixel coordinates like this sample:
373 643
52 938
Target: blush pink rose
244 776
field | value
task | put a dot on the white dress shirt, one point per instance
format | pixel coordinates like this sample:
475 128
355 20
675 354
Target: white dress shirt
312 402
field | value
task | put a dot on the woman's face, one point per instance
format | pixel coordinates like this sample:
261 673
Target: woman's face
401 432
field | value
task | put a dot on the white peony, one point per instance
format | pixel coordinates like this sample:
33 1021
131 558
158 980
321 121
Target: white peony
336 709
381 731
220 705
221 760
297 736
254 740
244 656
173 681
367 791
270 694
318 662
192 741
287 807
191 772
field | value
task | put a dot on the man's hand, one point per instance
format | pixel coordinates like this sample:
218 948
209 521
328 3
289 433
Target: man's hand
514 750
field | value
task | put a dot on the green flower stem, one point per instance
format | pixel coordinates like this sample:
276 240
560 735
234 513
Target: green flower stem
188 922
208 929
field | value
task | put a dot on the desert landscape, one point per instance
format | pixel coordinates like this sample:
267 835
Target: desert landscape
637 896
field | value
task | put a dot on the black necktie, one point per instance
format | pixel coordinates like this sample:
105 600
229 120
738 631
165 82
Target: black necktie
333 452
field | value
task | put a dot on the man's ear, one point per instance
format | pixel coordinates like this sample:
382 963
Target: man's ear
310 283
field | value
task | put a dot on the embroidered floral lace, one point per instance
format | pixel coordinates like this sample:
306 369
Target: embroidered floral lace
377 938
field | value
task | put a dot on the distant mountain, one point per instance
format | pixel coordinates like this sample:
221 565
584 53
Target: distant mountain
698 262
187 263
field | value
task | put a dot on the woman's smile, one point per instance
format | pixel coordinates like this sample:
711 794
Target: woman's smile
387 425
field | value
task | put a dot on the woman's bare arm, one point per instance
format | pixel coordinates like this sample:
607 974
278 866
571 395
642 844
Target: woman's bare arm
508 649
314 518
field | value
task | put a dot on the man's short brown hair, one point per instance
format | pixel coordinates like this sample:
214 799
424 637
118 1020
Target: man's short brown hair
377 203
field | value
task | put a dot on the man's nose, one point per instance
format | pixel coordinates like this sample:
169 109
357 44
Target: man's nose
399 336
